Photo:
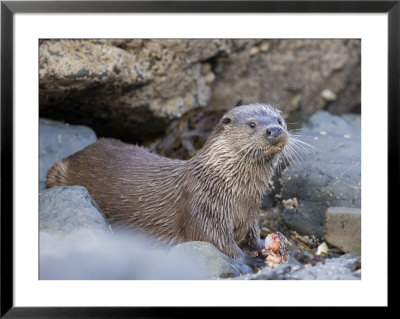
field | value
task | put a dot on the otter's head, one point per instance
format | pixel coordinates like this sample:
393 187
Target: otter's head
257 130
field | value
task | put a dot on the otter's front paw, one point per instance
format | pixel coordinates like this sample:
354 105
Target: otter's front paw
255 263
254 249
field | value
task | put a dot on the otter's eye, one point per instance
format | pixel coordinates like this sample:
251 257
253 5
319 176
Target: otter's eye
252 124
226 120
280 121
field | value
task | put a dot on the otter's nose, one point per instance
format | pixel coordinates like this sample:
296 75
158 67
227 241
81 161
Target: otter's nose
273 132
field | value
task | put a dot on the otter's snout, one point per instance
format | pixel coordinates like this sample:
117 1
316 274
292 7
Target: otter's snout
273 132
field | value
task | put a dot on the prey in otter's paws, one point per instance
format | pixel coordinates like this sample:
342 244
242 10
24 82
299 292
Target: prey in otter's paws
213 197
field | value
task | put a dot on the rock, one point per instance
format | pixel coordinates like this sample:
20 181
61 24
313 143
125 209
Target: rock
343 228
213 263
254 51
69 211
330 175
58 140
119 87
69 65
290 203
264 47
346 267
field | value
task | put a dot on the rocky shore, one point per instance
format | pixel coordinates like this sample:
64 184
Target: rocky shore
168 94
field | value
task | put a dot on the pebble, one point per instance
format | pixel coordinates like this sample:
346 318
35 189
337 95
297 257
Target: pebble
329 95
254 51
322 249
290 203
210 77
264 47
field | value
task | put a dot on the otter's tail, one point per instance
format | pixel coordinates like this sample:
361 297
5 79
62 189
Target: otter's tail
57 174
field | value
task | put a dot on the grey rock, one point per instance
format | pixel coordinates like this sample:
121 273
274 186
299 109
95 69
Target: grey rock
69 211
213 263
329 175
346 267
342 228
58 140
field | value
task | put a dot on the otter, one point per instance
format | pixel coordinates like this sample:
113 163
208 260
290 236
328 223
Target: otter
214 196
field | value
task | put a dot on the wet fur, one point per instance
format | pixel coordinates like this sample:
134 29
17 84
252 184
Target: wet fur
212 197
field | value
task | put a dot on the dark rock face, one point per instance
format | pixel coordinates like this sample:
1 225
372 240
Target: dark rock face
58 140
133 89
329 176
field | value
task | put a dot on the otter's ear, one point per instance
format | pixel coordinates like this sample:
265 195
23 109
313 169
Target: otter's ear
226 120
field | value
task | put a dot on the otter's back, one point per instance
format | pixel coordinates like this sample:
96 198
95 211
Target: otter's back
116 175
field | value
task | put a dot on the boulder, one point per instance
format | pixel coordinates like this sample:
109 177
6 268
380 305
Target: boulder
327 174
70 211
128 89
342 228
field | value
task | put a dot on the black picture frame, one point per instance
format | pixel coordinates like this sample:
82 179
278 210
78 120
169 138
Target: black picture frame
9 8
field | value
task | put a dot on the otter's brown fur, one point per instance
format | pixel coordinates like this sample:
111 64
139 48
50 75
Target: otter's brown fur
212 197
